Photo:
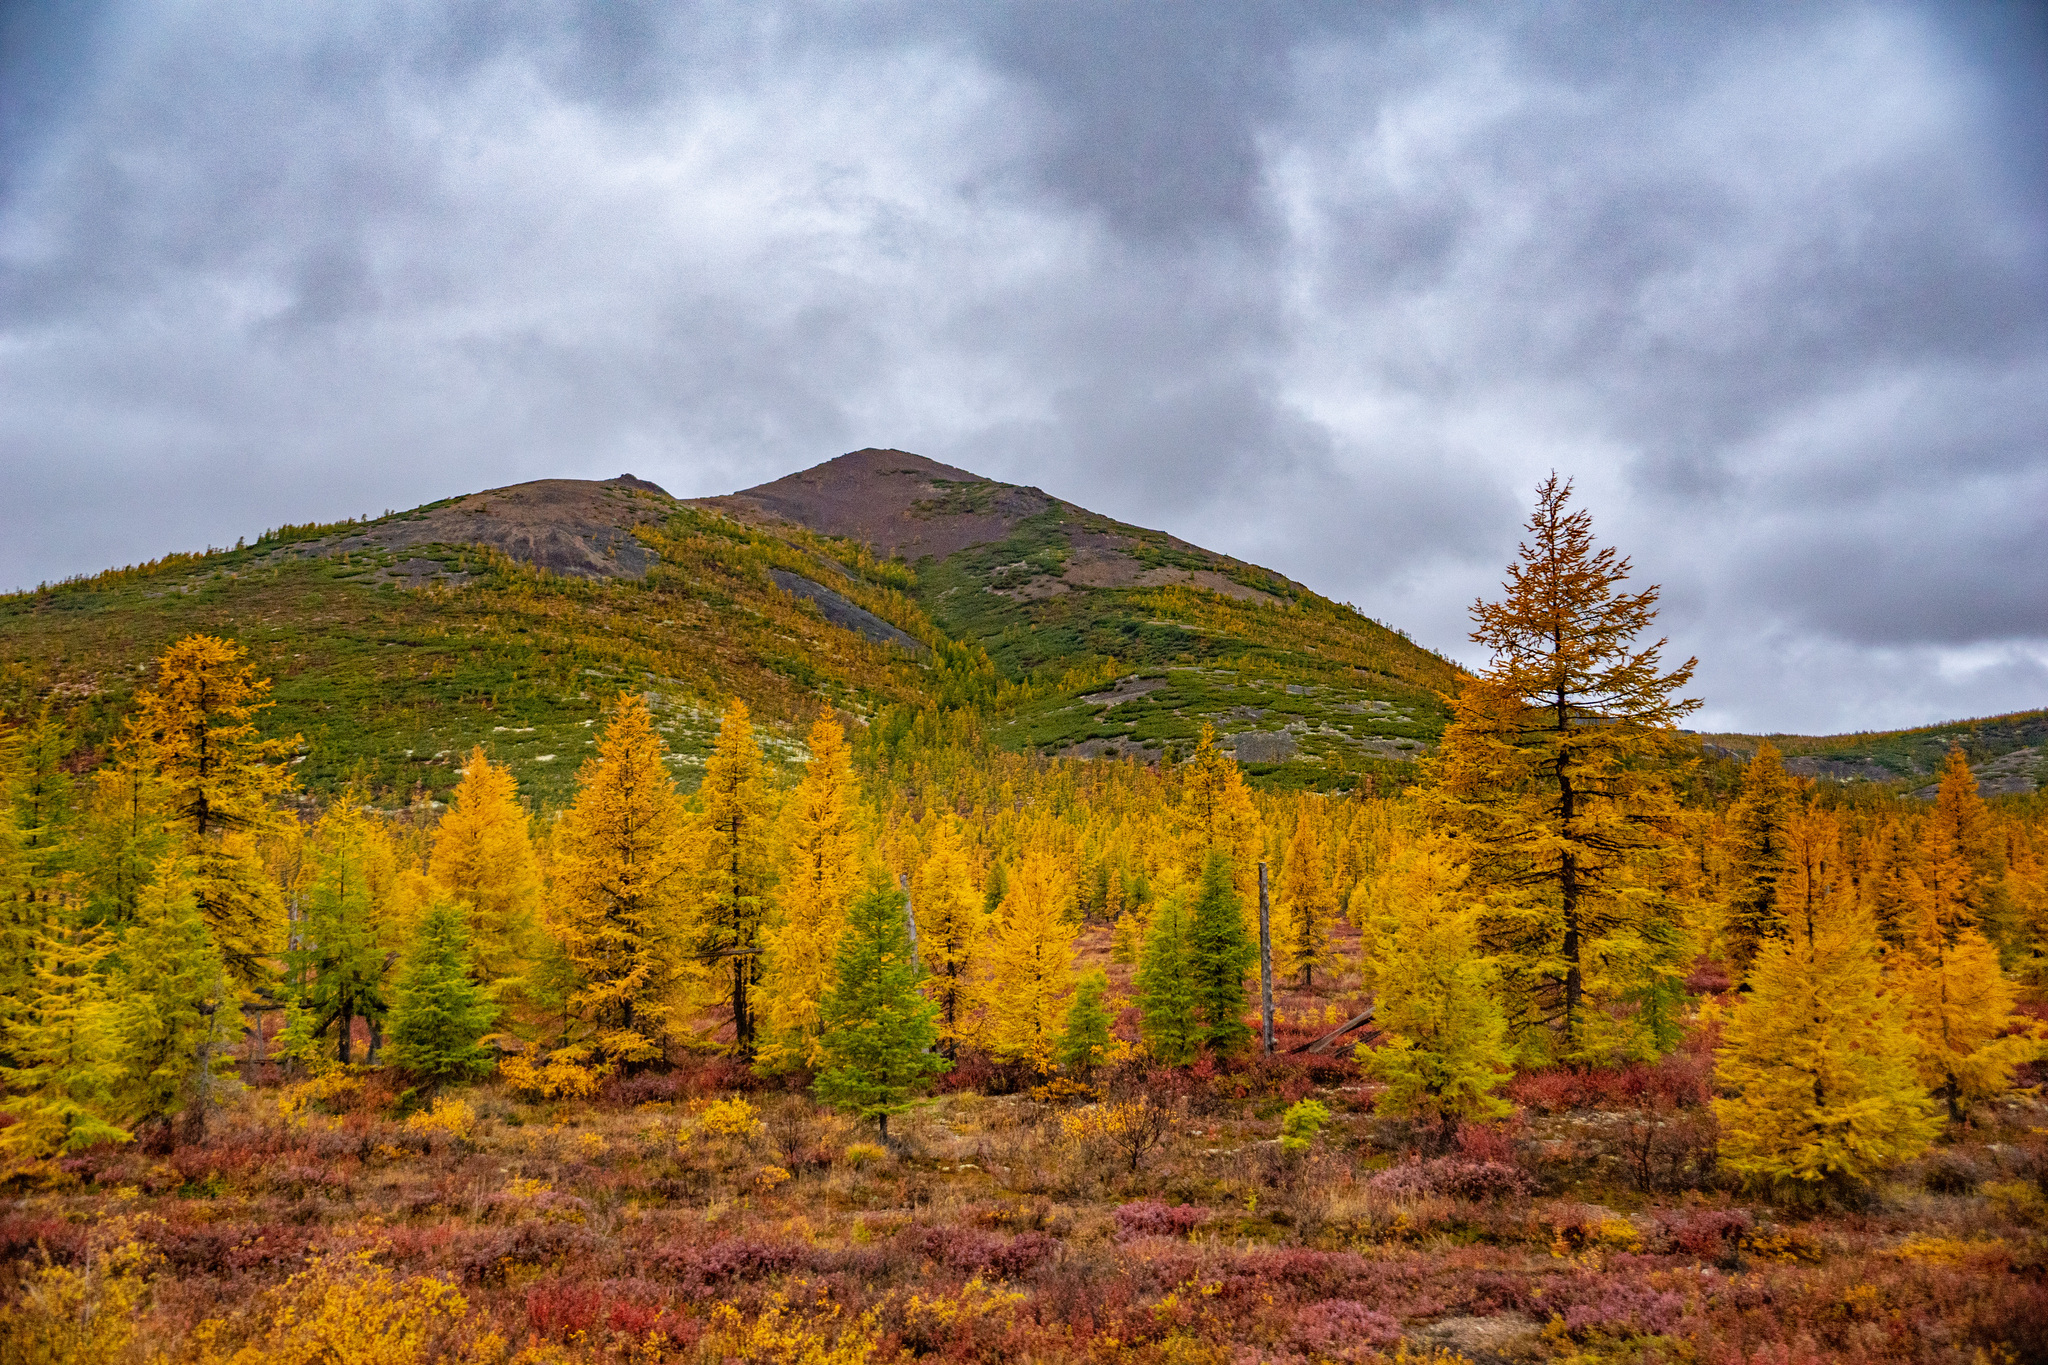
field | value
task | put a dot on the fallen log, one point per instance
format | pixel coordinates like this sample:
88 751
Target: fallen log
1323 1043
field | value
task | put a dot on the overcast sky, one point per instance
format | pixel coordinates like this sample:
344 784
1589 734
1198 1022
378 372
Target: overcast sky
1329 287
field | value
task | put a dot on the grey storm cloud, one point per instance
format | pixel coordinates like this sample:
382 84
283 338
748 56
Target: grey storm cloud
1327 286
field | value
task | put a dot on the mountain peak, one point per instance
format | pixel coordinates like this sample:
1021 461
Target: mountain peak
891 500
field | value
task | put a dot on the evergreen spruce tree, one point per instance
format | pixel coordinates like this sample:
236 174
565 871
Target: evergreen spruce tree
122 838
1815 1066
1220 952
440 1015
177 1008
1087 1041
1444 1051
878 1029
1166 996
1030 963
483 857
66 1051
1756 826
620 864
1306 904
818 868
734 873
1553 777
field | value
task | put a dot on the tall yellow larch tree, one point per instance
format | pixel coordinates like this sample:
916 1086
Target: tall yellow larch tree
1961 833
1756 830
1030 963
734 872
1959 1003
196 732
1815 1066
951 926
1305 906
1553 774
483 859
818 858
1215 814
618 894
1888 882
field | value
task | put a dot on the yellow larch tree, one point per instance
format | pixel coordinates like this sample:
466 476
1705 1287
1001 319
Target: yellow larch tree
1215 814
1815 1065
819 864
1962 833
951 925
1756 829
1305 906
483 859
734 872
1959 1001
1030 963
195 731
618 893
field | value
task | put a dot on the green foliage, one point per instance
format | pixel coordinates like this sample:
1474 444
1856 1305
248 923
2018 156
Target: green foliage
1087 1040
1166 998
1220 952
1302 1124
878 1029
439 1015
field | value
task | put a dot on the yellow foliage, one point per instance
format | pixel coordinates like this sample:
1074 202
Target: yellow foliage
861 1154
567 1073
450 1116
351 1311
78 1316
1931 1249
1216 815
483 857
732 873
950 928
1030 964
818 871
768 1177
781 1335
324 1091
618 888
733 1118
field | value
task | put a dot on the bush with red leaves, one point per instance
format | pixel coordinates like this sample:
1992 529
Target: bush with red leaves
1451 1177
1344 1329
1150 1218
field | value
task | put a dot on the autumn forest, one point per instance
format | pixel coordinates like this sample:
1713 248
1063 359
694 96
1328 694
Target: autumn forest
872 1034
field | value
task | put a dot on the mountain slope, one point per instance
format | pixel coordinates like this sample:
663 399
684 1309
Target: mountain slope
506 617
2008 754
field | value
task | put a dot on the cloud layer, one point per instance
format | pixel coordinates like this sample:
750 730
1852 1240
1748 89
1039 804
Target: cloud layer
1325 289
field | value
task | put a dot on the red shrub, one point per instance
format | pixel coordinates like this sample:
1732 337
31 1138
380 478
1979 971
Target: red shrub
1149 1218
1708 1233
1344 1329
556 1307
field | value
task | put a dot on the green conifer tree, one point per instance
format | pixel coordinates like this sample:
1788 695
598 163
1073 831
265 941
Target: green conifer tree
878 1027
66 1051
1087 1041
439 1014
1220 952
1166 998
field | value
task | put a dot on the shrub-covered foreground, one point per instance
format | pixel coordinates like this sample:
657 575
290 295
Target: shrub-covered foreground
669 1218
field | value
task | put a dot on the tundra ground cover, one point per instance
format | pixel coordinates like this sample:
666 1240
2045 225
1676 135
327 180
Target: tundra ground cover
675 1217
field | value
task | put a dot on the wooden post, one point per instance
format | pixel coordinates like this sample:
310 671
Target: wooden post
1265 962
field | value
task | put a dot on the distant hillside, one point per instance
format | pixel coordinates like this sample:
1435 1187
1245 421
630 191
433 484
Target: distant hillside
506 617
2008 754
